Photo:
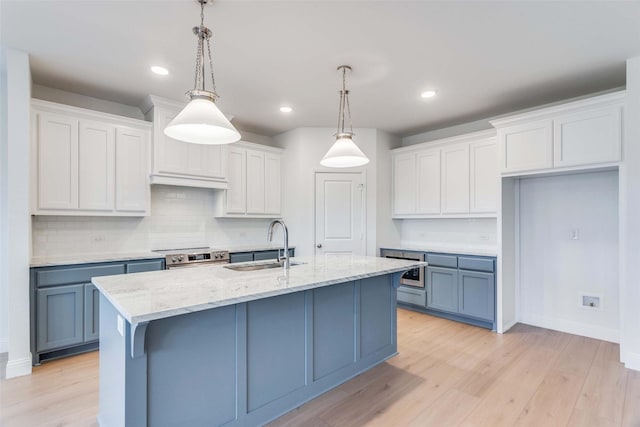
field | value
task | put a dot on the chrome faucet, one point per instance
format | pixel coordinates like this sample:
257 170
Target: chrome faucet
285 258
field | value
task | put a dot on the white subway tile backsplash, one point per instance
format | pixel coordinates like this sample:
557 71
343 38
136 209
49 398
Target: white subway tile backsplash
180 217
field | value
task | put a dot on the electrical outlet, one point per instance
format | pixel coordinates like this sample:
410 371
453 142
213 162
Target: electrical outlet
589 301
575 234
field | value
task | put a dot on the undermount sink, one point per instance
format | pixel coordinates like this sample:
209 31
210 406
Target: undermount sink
259 265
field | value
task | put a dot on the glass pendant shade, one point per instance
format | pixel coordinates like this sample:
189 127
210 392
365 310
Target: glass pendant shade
201 122
344 153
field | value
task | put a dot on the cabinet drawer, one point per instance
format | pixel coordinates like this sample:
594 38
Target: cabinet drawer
412 296
476 264
241 257
265 255
138 267
65 276
438 260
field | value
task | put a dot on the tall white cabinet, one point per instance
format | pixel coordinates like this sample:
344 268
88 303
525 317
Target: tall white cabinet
254 188
181 163
449 178
88 163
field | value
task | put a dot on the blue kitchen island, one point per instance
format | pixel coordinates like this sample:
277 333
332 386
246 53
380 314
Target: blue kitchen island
210 346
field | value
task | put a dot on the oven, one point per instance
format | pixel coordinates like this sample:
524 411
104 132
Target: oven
414 277
193 257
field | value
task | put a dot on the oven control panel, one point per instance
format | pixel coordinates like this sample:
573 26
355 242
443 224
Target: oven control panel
195 258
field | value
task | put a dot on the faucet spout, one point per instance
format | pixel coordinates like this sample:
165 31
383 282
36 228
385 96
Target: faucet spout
285 257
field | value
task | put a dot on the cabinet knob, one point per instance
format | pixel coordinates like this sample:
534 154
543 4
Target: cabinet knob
319 245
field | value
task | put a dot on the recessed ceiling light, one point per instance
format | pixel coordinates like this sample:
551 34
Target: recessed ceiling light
428 94
161 71
286 109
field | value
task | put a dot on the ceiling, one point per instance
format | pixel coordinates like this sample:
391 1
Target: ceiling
483 58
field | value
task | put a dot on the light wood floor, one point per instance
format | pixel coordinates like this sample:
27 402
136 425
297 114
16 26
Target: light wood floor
446 374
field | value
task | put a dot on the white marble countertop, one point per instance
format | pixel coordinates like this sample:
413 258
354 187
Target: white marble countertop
142 297
459 249
49 261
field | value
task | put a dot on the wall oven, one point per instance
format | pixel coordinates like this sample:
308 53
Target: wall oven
413 277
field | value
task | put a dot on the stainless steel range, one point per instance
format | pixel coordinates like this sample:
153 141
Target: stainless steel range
193 257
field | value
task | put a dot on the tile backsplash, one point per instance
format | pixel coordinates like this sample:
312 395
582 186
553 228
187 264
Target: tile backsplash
451 231
180 217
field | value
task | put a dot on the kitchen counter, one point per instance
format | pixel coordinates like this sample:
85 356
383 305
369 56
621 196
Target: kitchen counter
216 347
255 248
50 261
460 249
155 295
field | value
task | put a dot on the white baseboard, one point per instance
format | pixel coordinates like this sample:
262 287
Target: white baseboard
4 346
19 367
508 326
632 361
571 327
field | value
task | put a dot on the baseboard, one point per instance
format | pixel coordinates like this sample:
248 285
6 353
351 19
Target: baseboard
570 327
508 326
632 361
19 367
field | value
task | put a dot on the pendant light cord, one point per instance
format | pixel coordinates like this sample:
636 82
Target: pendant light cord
344 102
204 35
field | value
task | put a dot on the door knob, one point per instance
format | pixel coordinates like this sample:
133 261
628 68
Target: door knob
319 245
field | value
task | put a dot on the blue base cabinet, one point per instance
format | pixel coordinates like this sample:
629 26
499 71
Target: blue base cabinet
65 306
476 294
442 289
257 255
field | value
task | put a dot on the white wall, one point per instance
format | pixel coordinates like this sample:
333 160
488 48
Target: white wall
4 243
387 229
304 148
16 227
461 129
180 217
630 222
453 232
555 270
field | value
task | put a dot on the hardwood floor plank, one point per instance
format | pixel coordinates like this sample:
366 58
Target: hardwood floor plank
631 412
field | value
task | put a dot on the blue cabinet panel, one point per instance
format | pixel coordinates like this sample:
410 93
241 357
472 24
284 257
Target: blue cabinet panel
175 389
60 316
476 264
333 328
477 294
91 312
141 266
439 260
412 296
375 315
78 274
276 348
241 257
442 289
265 255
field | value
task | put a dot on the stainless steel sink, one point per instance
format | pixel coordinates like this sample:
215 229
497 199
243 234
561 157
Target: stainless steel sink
259 265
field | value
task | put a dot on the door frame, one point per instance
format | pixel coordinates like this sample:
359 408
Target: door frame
363 210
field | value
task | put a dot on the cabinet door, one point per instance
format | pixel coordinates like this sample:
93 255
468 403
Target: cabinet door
91 312
484 178
273 183
132 170
60 316
428 183
255 182
455 179
404 184
442 289
588 137
526 147
141 266
171 154
96 153
237 190
476 293
265 255
241 257
213 156
57 154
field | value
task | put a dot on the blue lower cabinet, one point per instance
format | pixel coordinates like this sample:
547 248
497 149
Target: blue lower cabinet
241 257
60 316
442 289
265 255
91 312
476 294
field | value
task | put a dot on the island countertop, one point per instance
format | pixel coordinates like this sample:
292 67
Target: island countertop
142 297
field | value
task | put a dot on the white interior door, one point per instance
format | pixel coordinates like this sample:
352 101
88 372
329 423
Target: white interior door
339 213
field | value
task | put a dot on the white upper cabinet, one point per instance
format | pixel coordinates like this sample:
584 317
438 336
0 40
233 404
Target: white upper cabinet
181 163
454 177
255 183
88 163
577 135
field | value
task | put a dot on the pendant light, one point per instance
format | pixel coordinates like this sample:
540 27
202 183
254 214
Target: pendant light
344 153
201 122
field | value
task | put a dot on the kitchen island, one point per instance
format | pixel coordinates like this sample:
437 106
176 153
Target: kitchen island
212 346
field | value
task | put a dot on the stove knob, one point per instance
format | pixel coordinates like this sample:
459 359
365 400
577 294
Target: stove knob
180 258
217 255
174 259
